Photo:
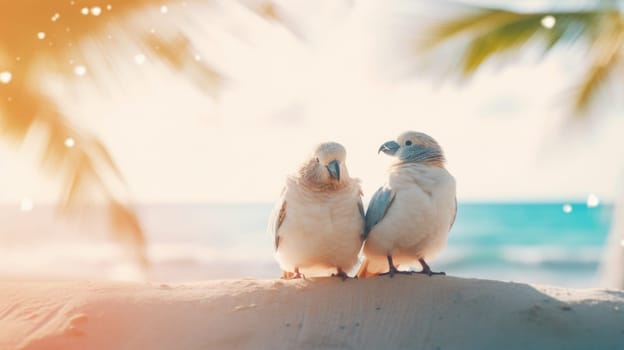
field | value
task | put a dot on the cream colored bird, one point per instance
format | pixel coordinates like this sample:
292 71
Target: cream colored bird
318 223
408 219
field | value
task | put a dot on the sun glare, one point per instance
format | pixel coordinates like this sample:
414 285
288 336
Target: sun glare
319 83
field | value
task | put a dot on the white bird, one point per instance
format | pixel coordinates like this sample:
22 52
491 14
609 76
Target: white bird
318 223
408 219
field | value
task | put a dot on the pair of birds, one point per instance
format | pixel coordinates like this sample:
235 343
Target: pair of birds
319 223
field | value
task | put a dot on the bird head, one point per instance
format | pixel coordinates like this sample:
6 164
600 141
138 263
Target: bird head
415 147
326 164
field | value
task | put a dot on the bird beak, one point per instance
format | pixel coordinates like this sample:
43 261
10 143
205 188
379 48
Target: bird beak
334 169
389 148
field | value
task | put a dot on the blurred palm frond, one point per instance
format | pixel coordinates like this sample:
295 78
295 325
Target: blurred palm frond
179 54
34 31
607 58
82 166
486 33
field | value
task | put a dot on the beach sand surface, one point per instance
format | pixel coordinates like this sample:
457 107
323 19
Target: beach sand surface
404 312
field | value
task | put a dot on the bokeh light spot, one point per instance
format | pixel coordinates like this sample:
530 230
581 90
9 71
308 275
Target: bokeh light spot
80 70
548 22
5 77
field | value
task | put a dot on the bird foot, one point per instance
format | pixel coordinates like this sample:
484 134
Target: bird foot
391 273
392 270
430 273
341 274
286 275
426 270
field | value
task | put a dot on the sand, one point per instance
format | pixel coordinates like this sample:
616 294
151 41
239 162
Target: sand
414 312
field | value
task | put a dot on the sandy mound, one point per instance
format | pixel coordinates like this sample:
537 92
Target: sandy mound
416 312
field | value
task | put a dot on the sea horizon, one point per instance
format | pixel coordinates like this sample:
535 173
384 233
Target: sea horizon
534 242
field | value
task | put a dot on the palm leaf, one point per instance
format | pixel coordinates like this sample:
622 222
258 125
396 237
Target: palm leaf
179 54
88 170
24 106
489 33
78 164
607 58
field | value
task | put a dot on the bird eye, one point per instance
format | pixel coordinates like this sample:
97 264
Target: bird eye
408 143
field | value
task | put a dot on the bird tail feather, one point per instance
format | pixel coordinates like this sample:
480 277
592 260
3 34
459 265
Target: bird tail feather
373 266
364 271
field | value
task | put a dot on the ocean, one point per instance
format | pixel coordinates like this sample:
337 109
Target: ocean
523 242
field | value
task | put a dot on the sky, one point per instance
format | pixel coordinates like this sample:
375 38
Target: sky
342 73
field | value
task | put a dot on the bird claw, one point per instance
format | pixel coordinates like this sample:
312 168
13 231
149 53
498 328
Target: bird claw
341 274
396 272
427 270
430 273
293 277
393 270
286 275
423 272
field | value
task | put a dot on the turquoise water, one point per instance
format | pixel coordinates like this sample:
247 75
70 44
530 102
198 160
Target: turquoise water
527 242
530 224
532 242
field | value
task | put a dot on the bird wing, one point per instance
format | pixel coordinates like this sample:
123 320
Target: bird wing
377 208
277 218
454 215
361 209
